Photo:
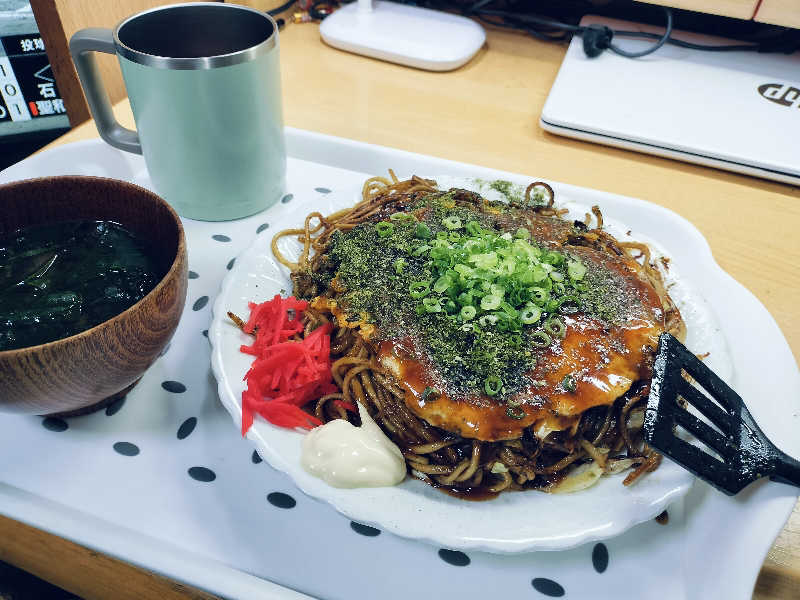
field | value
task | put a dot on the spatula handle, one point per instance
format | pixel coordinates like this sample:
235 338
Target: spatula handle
787 470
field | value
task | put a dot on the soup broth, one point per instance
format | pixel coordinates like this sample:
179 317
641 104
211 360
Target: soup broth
59 279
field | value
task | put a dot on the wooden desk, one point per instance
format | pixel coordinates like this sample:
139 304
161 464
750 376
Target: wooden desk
487 113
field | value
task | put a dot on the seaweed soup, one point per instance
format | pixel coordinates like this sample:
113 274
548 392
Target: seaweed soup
59 279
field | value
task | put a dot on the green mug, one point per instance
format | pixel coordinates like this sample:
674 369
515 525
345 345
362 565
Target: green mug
204 85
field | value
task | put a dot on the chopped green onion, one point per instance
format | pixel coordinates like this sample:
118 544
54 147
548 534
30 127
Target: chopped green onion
569 383
515 412
468 312
441 255
575 270
552 258
473 228
525 249
422 232
488 320
530 314
442 284
555 327
491 301
509 310
559 303
452 222
464 270
484 261
541 340
538 274
430 394
505 322
493 385
465 298
540 296
518 296
402 216
384 228
431 304
473 246
419 289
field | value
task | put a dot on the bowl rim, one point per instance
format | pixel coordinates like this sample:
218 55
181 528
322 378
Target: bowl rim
171 272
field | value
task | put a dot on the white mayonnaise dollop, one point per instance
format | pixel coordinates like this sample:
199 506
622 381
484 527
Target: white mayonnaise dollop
346 456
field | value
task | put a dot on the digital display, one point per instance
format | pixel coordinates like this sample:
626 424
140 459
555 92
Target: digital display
29 97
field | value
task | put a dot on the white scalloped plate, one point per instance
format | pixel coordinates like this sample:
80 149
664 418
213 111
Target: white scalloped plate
513 522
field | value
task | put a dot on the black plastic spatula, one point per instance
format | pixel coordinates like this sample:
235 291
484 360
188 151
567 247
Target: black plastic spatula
735 452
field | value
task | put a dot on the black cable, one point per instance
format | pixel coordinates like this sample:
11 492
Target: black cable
683 44
663 40
532 19
554 33
283 7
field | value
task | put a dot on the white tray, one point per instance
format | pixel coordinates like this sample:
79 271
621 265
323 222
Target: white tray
224 536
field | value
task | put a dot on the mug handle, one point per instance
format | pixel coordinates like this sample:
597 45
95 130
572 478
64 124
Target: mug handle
81 46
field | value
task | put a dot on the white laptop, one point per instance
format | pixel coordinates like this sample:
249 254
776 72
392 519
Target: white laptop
732 110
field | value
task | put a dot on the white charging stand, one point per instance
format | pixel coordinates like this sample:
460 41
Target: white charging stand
409 35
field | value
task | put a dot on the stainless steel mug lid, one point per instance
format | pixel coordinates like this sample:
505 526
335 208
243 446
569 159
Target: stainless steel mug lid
198 35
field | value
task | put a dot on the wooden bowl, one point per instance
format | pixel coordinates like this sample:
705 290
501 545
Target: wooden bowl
78 372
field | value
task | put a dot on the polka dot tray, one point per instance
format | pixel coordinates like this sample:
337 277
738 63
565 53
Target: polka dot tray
164 480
